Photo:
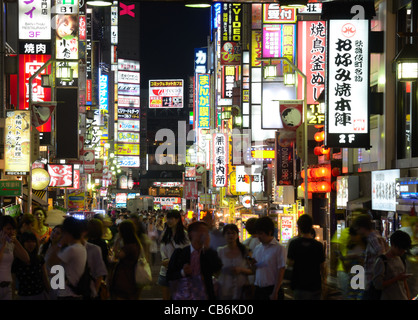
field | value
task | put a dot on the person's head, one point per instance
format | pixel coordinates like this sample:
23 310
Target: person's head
8 225
66 25
231 233
40 215
56 234
199 234
27 223
29 242
94 229
363 224
173 218
71 230
305 223
265 229
127 232
250 226
400 242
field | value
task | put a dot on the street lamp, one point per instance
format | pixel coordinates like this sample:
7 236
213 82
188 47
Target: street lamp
407 63
99 3
198 3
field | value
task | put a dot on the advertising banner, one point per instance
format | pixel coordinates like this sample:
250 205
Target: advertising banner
166 94
35 20
203 100
130 101
347 118
17 142
231 27
128 161
130 137
66 35
384 189
273 13
127 149
220 160
284 160
128 113
190 190
128 125
61 175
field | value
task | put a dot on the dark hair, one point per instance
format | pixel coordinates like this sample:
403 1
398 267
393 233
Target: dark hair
45 246
94 229
29 236
250 225
305 223
193 227
5 220
234 228
127 232
265 224
72 226
401 240
180 236
26 218
363 221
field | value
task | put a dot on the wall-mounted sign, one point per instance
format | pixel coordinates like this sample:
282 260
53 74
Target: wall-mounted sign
128 113
66 35
203 100
311 59
127 149
35 47
17 142
35 20
61 175
273 13
129 77
128 161
103 93
243 179
220 160
128 65
284 161
130 137
40 179
231 26
10 188
129 101
128 89
384 189
200 60
166 94
128 125
229 76
347 119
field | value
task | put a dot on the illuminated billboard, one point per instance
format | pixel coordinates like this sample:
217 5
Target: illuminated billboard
166 94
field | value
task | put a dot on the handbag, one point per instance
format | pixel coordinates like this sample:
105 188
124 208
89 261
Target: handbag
143 275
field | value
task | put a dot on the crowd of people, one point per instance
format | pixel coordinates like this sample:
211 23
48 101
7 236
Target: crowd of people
198 260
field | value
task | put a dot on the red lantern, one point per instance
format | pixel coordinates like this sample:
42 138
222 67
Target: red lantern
325 150
334 186
324 186
335 172
318 151
319 136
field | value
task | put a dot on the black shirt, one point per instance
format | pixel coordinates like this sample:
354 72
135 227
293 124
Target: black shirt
308 255
30 277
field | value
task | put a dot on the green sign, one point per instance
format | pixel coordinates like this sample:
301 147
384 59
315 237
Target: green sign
10 188
13 211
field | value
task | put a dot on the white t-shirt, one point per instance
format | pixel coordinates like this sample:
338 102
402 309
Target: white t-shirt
73 259
6 263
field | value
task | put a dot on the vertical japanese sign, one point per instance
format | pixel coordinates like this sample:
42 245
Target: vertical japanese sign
229 76
231 27
66 29
311 60
220 160
200 60
284 160
103 93
28 65
34 20
256 48
203 100
347 118
17 142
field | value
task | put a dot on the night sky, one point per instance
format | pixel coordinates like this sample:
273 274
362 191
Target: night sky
169 32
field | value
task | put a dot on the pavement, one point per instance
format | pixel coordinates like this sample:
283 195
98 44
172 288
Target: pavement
154 292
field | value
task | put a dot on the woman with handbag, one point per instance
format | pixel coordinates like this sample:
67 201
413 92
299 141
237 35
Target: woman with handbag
123 284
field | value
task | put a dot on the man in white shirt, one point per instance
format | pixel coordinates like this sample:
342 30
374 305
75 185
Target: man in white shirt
270 262
72 257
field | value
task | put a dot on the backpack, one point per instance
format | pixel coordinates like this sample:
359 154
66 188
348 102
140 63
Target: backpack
83 287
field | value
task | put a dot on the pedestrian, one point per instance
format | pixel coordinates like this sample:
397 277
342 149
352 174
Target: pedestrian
191 268
233 278
46 250
354 256
173 237
72 256
389 271
32 279
412 260
10 248
306 257
95 259
362 224
123 285
153 237
42 230
269 261
251 243
26 224
94 236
